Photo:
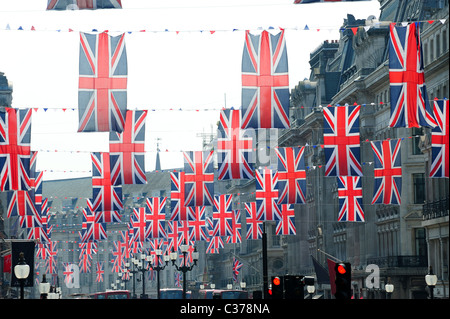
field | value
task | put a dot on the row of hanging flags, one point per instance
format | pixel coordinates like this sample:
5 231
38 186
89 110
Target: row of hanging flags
117 4
265 104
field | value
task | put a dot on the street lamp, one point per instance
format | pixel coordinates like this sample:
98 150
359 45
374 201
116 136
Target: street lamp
21 271
44 287
158 268
311 289
184 269
139 264
132 275
431 280
389 288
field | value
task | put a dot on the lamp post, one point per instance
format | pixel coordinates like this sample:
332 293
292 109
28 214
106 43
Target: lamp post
139 263
133 275
184 269
389 288
431 280
21 271
44 287
158 268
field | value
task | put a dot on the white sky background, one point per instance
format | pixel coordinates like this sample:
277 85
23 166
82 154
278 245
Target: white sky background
166 70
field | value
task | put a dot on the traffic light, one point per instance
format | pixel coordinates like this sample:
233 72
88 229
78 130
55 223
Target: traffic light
277 287
343 281
294 287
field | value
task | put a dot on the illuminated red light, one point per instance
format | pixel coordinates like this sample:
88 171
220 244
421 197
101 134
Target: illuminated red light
341 269
276 281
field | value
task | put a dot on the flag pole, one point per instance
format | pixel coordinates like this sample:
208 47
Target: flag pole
337 259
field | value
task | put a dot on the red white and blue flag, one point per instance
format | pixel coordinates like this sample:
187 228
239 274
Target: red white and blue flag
291 175
21 203
234 148
102 86
99 271
265 81
127 151
254 224
350 199
174 239
156 217
83 4
285 220
236 236
198 178
440 140
15 153
91 230
222 215
197 226
341 140
237 265
140 224
105 196
409 101
387 172
266 193
178 209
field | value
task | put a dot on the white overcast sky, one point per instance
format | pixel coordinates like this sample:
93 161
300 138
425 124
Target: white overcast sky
191 69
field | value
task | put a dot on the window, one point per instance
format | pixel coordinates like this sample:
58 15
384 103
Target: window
416 133
419 188
421 243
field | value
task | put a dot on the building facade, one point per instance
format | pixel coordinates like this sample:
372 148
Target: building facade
399 241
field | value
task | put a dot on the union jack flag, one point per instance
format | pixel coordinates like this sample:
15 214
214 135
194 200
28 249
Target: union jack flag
266 193
222 215
341 140
265 81
21 203
155 246
173 235
178 277
291 175
409 102
83 4
184 231
15 154
91 230
127 151
236 236
199 178
285 220
140 224
156 217
440 140
68 273
214 244
106 197
179 211
104 216
234 149
102 86
38 233
387 171
254 224
85 264
30 221
350 199
118 258
100 271
197 226
237 265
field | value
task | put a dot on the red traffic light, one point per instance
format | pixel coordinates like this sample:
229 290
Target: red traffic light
276 281
341 269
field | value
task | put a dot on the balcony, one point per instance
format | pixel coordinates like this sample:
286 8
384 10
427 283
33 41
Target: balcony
399 261
436 209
